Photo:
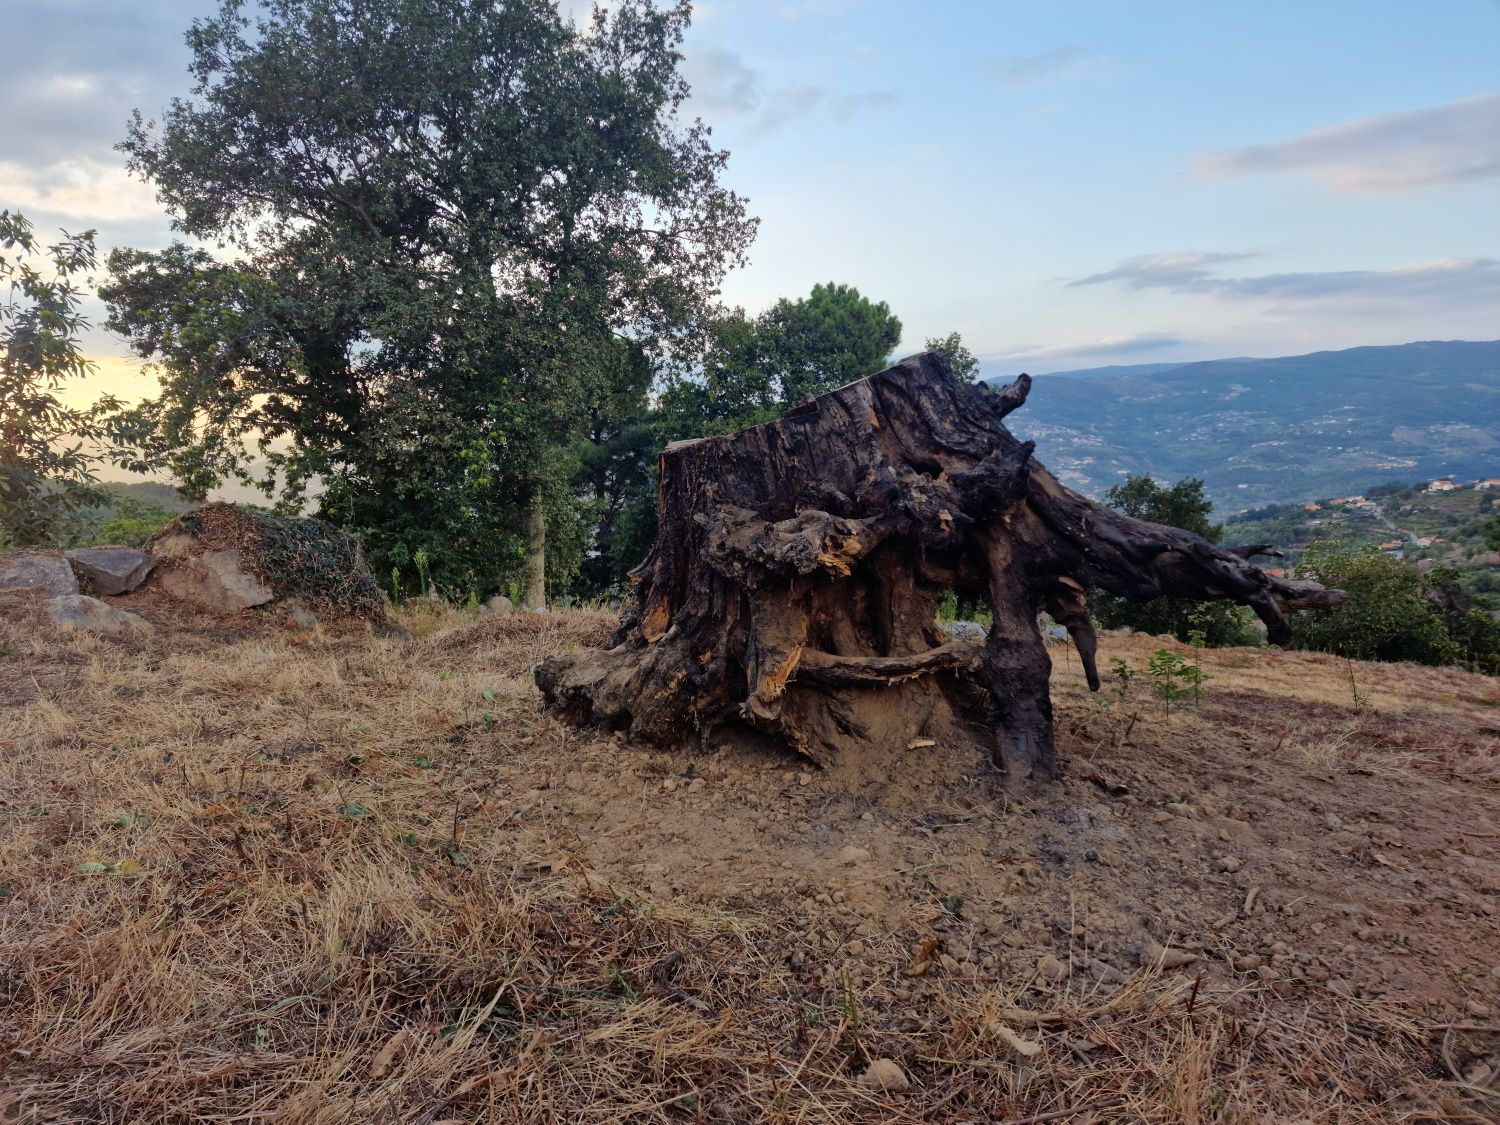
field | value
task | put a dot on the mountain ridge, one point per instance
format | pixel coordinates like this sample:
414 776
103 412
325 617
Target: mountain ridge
1261 431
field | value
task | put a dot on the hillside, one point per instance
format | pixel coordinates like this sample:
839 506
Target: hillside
255 872
1259 431
1422 527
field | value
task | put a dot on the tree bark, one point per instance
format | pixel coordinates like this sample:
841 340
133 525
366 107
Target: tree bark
794 583
535 596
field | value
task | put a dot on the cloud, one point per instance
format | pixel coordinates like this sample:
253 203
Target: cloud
1453 143
720 81
723 85
1445 280
84 191
1109 346
1057 65
1184 272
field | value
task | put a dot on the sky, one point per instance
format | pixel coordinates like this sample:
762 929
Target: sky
1067 184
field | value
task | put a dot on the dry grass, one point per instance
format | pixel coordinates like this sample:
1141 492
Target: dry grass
305 879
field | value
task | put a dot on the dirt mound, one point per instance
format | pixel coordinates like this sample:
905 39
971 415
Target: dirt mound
325 879
230 558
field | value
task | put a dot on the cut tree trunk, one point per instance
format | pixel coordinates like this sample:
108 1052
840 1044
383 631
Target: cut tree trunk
794 583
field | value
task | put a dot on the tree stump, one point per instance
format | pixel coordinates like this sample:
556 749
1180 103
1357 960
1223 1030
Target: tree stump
794 583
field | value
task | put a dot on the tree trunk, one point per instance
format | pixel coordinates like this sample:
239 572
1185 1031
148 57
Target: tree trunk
535 596
795 578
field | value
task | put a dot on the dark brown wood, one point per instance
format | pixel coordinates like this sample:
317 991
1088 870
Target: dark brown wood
794 584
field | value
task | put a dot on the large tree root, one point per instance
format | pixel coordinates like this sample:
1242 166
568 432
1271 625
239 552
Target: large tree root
795 579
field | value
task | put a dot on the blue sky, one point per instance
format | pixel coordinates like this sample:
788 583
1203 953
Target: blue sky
1065 183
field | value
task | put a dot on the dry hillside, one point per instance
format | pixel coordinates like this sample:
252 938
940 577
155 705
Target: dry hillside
253 873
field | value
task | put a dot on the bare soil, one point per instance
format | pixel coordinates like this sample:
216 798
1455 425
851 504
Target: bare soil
254 872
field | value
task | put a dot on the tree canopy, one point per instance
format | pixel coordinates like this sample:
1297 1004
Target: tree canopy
441 218
49 451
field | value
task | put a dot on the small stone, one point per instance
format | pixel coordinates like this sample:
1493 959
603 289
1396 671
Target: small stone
804 779
668 786
1341 987
1049 967
697 785
1023 1047
851 855
299 614
884 1074
1332 822
1231 864
1165 957
1160 816
1107 973
1476 1009
79 611
867 817
1247 962
1181 809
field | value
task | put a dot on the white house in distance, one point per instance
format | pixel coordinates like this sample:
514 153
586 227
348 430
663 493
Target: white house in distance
1491 482
1443 486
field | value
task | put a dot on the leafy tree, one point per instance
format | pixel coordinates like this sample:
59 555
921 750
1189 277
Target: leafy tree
444 215
49 451
827 339
1489 532
1182 505
1388 614
965 363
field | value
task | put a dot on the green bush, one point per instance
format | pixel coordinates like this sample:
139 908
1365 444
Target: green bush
1394 612
128 530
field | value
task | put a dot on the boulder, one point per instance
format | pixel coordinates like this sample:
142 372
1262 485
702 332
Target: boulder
215 580
110 570
35 570
965 630
79 611
499 606
227 559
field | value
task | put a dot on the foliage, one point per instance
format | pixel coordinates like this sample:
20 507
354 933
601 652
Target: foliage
1174 678
1184 505
1394 612
827 339
443 219
129 531
49 451
965 363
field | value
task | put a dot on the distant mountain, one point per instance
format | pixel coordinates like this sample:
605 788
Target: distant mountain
1259 431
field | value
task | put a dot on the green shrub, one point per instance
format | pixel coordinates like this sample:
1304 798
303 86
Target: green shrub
1394 612
129 530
